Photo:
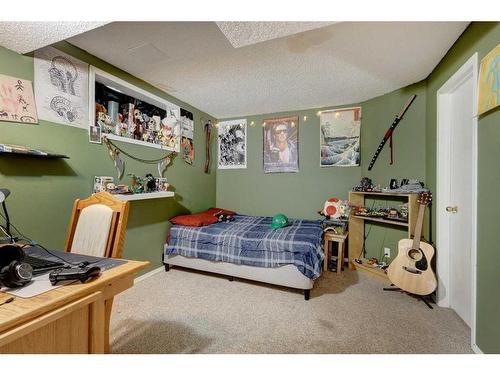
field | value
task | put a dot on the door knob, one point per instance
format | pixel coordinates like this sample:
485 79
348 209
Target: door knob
453 209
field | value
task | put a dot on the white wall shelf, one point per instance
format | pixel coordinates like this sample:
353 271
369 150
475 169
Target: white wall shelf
136 197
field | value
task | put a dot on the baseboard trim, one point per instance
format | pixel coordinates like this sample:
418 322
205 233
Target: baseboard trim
148 274
476 349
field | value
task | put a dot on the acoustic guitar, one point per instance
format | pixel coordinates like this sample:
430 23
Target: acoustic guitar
411 270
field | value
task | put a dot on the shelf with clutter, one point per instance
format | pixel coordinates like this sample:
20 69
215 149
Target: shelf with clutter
147 187
123 112
404 214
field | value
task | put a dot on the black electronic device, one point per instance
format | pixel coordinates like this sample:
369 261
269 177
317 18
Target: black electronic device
82 274
14 272
40 265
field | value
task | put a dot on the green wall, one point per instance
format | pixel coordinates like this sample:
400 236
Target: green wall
251 191
479 37
43 191
302 194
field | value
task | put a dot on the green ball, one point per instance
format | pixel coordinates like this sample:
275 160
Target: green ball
279 221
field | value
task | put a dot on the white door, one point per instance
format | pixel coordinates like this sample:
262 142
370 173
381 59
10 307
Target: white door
456 193
461 185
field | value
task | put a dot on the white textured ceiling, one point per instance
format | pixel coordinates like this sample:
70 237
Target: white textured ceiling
241 34
344 63
24 37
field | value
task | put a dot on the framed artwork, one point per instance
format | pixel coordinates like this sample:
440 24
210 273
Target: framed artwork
281 145
61 87
339 137
489 81
17 103
232 144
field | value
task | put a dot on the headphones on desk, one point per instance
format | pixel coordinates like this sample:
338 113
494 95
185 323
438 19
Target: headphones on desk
13 272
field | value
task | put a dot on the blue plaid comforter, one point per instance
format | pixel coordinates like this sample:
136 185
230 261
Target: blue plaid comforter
250 241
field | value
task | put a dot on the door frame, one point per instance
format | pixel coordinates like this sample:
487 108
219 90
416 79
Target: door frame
443 161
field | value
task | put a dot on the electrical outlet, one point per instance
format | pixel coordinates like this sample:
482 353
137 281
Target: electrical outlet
387 252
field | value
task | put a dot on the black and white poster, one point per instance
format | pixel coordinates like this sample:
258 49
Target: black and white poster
61 88
232 144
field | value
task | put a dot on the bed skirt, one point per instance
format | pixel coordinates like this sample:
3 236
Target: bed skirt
287 275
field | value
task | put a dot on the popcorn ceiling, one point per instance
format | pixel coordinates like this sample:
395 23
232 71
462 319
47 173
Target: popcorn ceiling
343 63
24 37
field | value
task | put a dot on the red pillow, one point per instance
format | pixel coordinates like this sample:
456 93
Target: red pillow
195 220
214 210
201 219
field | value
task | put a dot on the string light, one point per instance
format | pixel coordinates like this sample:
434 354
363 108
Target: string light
252 124
305 118
264 124
217 125
293 124
318 113
337 114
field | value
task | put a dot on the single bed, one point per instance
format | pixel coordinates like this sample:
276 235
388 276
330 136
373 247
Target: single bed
248 248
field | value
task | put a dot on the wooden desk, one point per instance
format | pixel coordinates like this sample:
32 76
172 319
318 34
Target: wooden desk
70 319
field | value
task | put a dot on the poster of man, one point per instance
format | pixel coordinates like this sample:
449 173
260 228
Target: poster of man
281 149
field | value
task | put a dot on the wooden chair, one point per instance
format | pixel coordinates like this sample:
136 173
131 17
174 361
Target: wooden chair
97 228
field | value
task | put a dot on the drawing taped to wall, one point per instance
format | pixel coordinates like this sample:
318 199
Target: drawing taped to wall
489 81
281 146
17 103
61 87
232 144
339 137
187 132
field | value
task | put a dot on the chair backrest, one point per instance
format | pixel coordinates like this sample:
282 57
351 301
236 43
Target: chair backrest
97 226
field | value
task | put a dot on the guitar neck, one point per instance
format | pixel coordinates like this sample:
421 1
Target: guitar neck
418 227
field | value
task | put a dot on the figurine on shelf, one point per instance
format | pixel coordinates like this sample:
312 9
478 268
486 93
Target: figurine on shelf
150 183
137 184
162 184
364 185
392 214
138 120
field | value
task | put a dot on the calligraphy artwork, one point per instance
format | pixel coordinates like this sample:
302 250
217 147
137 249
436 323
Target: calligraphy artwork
61 88
17 103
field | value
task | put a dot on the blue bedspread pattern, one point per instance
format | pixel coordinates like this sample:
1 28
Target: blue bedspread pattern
249 240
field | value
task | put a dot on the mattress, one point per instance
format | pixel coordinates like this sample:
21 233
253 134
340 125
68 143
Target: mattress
249 240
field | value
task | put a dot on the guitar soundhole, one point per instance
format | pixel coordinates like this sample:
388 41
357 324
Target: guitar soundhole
415 254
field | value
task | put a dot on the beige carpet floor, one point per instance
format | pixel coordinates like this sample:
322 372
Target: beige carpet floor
186 311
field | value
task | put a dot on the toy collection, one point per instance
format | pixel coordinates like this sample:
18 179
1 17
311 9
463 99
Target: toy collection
128 117
405 185
138 185
391 213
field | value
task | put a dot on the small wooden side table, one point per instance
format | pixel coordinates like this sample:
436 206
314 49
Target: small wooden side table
328 238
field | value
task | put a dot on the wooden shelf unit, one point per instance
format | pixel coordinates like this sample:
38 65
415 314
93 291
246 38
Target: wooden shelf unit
357 224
